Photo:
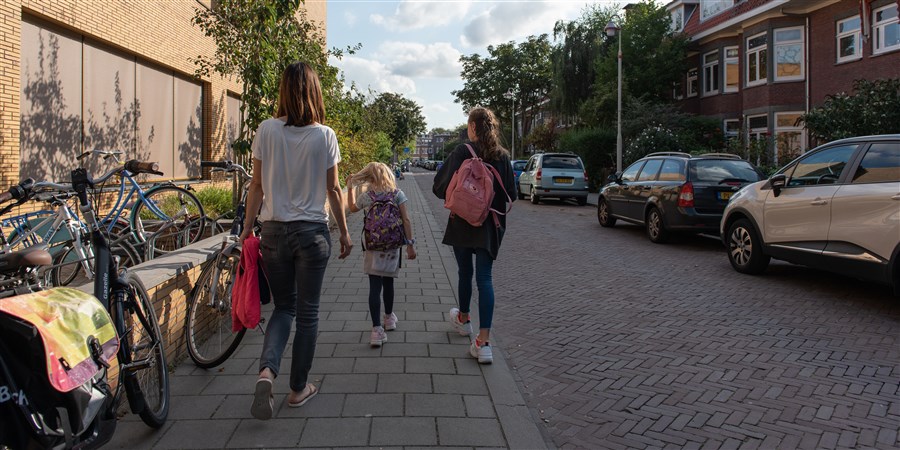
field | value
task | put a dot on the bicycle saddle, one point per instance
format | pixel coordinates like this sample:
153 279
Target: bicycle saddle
29 257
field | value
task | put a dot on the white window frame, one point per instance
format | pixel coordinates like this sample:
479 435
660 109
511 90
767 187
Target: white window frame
762 78
711 73
690 91
728 61
677 16
878 30
785 43
731 134
789 129
678 89
855 34
757 133
708 8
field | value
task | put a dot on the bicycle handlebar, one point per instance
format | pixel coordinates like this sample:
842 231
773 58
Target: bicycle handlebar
134 166
218 164
227 166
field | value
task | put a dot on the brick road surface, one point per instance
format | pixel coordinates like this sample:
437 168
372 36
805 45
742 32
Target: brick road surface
621 343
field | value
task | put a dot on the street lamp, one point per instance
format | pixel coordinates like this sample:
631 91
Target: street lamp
611 30
510 95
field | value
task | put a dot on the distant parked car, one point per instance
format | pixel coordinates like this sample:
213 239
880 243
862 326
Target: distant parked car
556 175
674 191
518 166
835 208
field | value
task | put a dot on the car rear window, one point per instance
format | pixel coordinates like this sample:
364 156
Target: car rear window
519 165
562 162
716 170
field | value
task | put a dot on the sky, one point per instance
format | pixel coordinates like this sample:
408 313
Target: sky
413 47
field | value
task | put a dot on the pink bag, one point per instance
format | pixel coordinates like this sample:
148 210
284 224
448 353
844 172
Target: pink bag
471 191
245 301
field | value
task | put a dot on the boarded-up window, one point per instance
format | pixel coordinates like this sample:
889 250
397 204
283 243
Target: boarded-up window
80 96
233 105
50 103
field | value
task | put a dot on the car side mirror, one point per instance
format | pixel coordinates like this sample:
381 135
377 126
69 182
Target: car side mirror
778 182
615 178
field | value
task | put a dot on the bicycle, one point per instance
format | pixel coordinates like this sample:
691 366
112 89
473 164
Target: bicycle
208 332
142 374
162 219
63 232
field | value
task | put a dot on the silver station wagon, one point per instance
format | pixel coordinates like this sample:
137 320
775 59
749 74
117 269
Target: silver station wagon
554 175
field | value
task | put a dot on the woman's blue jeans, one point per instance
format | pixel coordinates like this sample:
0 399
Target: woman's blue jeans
483 278
295 255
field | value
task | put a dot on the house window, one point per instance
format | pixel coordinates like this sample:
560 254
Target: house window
732 129
678 89
732 74
757 59
758 127
790 137
711 73
692 85
709 8
887 29
789 54
848 39
677 19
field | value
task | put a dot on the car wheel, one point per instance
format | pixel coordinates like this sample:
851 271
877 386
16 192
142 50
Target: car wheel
745 248
582 201
656 229
519 192
534 197
603 216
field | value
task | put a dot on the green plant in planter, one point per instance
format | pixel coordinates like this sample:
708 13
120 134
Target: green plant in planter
215 200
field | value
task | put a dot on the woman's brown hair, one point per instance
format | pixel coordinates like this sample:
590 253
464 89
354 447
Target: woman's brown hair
300 96
487 130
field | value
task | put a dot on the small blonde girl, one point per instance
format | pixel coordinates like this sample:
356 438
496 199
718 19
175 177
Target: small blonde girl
379 179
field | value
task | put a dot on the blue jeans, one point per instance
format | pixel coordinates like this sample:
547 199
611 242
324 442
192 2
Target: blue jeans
295 255
483 278
375 285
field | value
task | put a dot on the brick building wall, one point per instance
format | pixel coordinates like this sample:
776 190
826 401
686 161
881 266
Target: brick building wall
159 32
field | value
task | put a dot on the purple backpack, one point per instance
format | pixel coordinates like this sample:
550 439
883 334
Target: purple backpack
383 226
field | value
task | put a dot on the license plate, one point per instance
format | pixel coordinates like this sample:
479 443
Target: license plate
564 180
725 195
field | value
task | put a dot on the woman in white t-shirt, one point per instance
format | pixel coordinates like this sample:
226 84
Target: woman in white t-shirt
295 168
382 266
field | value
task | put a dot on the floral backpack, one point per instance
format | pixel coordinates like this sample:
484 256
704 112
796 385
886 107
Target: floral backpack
383 227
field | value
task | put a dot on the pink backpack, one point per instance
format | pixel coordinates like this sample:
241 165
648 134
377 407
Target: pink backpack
471 191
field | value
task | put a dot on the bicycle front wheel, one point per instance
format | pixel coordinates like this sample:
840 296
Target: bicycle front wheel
69 264
142 342
167 219
208 332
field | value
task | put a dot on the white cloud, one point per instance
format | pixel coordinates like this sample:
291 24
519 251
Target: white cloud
412 59
372 74
350 18
515 20
414 15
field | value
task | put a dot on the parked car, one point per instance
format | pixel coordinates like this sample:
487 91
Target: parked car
556 175
518 166
674 192
836 208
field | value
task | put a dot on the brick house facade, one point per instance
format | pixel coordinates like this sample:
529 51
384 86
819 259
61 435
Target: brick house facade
77 75
757 65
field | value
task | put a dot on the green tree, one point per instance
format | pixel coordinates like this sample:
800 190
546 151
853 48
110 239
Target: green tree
874 108
255 41
543 136
525 68
574 60
398 117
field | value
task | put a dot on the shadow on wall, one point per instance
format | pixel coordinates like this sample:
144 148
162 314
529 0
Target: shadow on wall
189 151
50 139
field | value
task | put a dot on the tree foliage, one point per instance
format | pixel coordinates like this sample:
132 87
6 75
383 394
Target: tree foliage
574 58
524 67
874 108
398 117
543 136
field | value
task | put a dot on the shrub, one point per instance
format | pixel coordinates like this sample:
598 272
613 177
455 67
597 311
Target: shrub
597 149
216 200
653 139
874 108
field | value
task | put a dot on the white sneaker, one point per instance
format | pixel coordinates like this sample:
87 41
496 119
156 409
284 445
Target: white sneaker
378 337
464 329
390 322
482 352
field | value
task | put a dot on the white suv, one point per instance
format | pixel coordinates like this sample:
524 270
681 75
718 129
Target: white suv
835 208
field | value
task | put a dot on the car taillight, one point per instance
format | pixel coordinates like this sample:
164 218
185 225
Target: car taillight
585 176
686 196
537 176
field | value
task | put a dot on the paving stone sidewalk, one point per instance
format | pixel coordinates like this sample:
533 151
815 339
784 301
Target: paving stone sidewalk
421 389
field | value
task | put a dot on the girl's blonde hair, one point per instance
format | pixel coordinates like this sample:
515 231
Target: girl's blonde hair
377 175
